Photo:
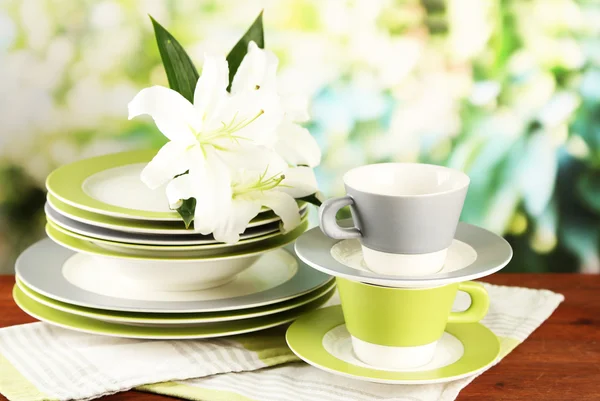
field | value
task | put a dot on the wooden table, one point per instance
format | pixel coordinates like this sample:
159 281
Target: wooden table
560 361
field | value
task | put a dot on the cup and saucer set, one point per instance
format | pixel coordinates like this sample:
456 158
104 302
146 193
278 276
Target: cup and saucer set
403 264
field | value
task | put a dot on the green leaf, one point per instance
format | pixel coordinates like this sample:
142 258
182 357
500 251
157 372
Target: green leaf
186 211
236 55
588 186
182 76
314 199
181 73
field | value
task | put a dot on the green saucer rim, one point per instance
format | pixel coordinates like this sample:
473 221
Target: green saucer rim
305 339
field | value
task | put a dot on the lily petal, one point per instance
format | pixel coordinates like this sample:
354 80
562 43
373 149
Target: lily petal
171 160
252 117
296 107
213 200
211 88
174 116
181 188
296 145
284 206
257 71
242 211
299 182
251 158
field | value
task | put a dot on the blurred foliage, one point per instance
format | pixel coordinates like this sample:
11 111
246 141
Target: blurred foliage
506 90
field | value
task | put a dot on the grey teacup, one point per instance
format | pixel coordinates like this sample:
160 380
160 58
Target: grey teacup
405 215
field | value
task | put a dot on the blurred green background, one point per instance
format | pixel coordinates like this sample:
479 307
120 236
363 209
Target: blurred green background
506 90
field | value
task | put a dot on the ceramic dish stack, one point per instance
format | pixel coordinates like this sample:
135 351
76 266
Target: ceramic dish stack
409 314
118 262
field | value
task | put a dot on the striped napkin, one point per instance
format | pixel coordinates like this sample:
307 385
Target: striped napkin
42 362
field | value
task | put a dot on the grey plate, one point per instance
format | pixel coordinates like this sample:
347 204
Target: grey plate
493 253
148 239
40 267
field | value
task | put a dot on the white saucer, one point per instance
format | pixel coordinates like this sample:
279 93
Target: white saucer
474 253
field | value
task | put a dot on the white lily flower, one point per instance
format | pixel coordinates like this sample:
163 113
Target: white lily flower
266 180
216 123
294 142
257 71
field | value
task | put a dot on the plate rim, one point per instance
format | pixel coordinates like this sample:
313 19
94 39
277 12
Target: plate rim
331 317
314 248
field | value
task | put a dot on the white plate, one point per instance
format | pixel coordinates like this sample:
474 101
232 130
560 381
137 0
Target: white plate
42 268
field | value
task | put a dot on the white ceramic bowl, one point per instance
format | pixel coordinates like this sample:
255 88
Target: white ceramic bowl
181 275
170 273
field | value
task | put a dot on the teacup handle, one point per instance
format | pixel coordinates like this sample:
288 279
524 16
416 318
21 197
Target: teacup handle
480 302
328 222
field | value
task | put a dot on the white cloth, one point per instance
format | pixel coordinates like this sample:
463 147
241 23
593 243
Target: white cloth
514 314
39 361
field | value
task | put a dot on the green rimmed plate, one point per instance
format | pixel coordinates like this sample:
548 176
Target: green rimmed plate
110 185
142 226
166 319
148 239
320 339
221 329
165 248
90 248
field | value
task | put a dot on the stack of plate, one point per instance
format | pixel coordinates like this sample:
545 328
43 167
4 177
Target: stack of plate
121 263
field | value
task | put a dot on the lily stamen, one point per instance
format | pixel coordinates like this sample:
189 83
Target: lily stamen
227 130
260 185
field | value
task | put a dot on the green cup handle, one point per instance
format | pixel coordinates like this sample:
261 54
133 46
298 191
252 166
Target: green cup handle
480 302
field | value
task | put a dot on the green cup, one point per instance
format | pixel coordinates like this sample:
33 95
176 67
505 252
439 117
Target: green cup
398 328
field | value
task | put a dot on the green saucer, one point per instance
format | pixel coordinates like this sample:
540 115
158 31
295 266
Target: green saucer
320 339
